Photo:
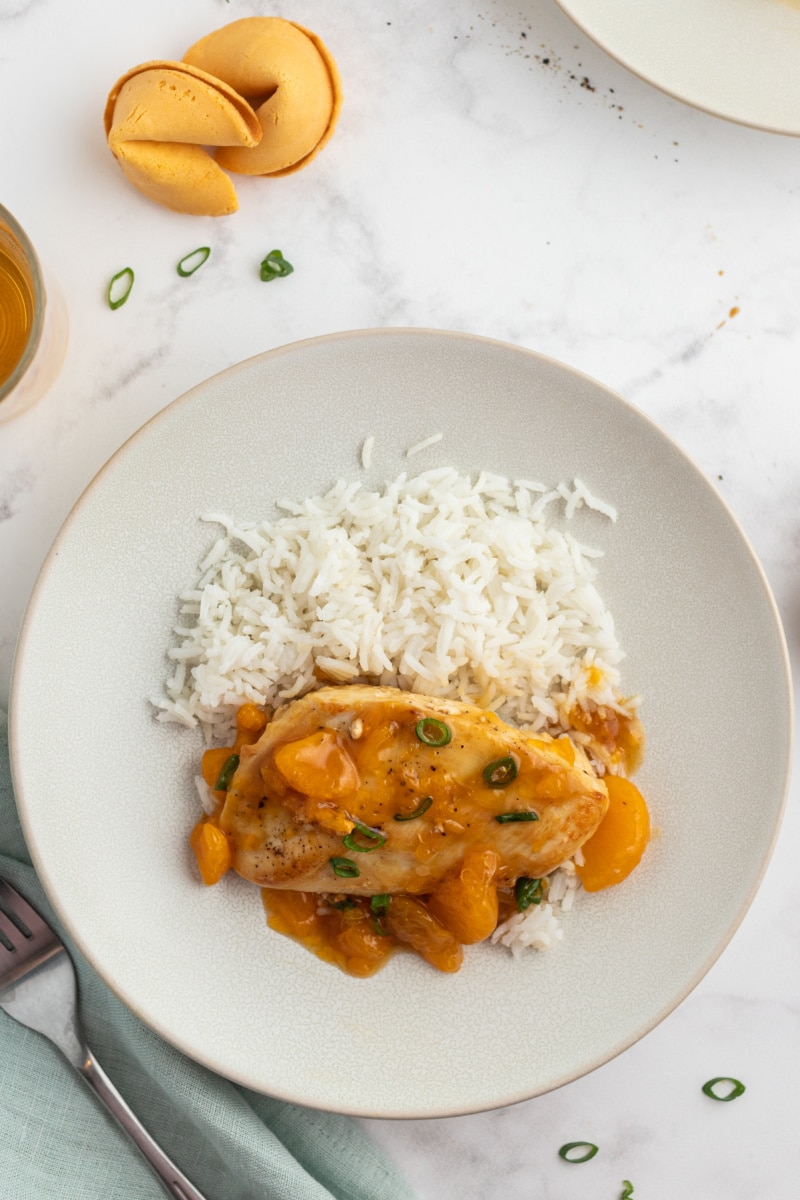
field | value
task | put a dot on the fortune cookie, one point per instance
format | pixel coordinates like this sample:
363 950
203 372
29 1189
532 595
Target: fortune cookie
292 80
158 119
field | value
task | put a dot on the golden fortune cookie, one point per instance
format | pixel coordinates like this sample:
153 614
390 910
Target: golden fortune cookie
293 82
159 118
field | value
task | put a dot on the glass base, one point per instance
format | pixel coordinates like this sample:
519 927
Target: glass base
49 357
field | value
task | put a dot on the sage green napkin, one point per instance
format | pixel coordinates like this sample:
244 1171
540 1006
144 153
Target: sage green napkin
56 1140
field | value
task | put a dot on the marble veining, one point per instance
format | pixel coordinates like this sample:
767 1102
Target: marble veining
493 172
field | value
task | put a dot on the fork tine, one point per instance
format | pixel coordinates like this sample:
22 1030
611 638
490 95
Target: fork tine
27 941
6 940
10 934
23 914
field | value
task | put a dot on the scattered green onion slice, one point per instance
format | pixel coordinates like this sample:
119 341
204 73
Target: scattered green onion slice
275 266
528 891
373 836
343 904
345 868
627 1190
184 269
117 301
737 1088
589 1148
421 808
226 774
501 772
432 732
510 817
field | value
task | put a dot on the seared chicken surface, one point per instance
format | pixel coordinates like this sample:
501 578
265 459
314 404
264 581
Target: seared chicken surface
368 790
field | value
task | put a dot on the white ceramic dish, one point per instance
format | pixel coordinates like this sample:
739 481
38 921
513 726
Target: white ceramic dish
738 59
106 792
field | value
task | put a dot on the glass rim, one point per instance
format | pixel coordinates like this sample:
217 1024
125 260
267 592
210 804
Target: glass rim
35 336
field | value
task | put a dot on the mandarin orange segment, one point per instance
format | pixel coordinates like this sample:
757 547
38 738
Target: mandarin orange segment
466 903
318 766
617 846
363 949
251 721
211 850
212 763
411 922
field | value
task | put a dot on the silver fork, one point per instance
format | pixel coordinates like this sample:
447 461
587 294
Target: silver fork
38 988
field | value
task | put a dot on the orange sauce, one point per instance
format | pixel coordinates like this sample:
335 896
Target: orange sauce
620 735
345 936
344 931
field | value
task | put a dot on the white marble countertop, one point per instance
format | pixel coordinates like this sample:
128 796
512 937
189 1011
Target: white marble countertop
493 172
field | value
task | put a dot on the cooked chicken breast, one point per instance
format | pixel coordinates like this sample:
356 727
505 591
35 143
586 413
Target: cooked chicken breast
367 790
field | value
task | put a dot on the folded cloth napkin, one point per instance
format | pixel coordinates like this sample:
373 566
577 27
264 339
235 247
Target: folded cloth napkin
56 1140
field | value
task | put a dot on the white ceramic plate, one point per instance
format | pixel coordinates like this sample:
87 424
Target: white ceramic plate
738 59
106 791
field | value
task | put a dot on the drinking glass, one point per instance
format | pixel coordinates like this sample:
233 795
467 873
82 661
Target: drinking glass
33 322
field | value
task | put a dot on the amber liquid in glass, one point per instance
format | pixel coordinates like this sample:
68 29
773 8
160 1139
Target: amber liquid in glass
16 305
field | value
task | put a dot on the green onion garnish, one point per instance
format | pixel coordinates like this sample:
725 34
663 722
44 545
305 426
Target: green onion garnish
226 774
379 906
275 266
627 1190
345 868
501 772
117 296
528 891
375 838
432 732
187 267
588 1147
510 817
736 1088
421 808
343 904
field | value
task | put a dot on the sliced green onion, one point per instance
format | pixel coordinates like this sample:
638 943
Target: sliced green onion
566 1151
501 772
432 732
421 808
226 774
275 266
528 891
343 904
627 1190
117 300
379 906
373 836
736 1088
345 868
510 817
201 254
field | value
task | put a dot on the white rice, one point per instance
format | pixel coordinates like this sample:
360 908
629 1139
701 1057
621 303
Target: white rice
424 444
440 583
437 584
539 927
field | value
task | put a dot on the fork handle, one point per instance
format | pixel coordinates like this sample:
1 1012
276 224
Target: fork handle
172 1178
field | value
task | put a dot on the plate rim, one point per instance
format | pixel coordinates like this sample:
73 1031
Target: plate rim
665 89
207 1059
